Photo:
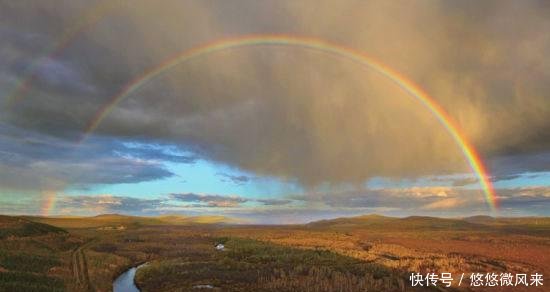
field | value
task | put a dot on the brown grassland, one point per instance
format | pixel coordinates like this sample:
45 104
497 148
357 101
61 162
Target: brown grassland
367 253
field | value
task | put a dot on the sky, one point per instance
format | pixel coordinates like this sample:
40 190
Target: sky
272 134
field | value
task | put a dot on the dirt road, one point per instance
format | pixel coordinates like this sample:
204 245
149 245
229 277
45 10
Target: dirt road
80 267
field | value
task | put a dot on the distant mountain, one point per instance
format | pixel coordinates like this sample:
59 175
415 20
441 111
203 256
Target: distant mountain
118 221
350 222
375 221
425 222
113 217
178 219
510 221
20 227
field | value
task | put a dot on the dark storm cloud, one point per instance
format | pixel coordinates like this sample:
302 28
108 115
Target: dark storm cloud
288 112
521 163
56 76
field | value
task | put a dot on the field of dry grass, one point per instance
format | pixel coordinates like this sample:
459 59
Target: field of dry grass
372 253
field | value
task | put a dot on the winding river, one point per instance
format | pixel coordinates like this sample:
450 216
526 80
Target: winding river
125 282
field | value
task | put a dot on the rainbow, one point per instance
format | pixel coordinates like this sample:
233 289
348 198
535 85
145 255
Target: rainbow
48 202
83 23
469 152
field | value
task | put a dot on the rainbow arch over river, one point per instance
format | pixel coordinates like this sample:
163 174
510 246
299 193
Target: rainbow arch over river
470 154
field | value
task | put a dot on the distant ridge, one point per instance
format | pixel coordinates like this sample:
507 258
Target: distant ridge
509 221
118 220
363 220
112 216
115 221
379 221
436 223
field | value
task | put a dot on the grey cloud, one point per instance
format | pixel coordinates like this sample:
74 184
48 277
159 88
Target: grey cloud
33 161
207 200
56 75
23 40
505 177
290 112
464 182
511 164
211 200
21 206
494 178
101 204
237 179
525 197
159 152
274 202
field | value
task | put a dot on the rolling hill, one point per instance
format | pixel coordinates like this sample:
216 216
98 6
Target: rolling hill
20 227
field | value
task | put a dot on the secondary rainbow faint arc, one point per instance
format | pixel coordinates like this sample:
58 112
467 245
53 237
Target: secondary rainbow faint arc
471 155
84 22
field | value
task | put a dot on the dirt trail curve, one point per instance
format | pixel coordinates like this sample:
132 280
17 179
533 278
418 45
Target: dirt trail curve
80 267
